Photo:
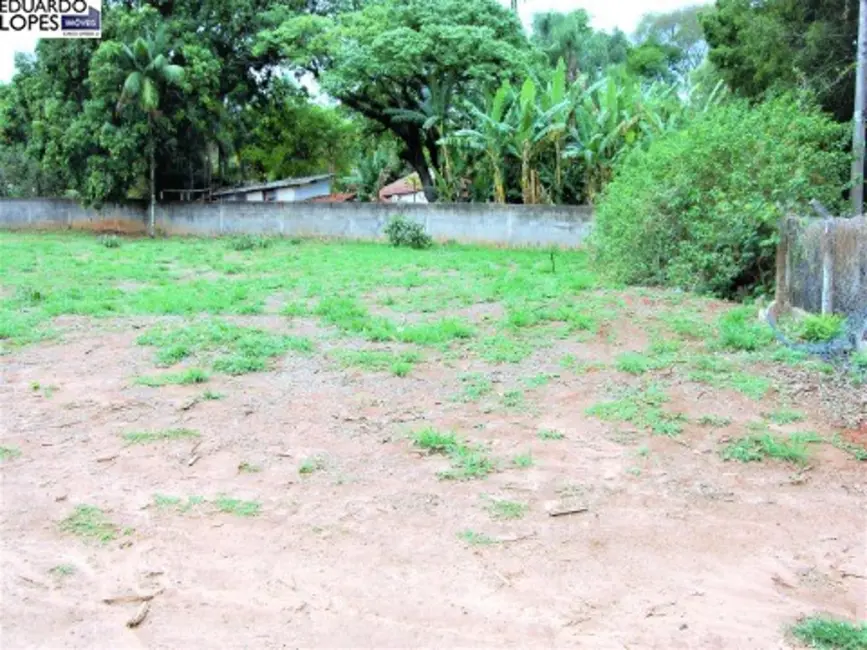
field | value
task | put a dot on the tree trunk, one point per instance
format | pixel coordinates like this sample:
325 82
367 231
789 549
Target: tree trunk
860 101
152 216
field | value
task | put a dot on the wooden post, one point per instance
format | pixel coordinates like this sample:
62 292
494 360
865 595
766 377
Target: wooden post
828 268
860 105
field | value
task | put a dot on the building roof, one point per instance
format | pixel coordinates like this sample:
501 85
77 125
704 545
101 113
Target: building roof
337 197
273 185
407 185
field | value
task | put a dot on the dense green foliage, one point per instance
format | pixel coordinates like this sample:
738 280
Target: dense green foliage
699 208
786 44
404 232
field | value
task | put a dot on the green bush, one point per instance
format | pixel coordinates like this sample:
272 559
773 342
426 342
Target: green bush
249 242
818 328
699 208
403 232
110 241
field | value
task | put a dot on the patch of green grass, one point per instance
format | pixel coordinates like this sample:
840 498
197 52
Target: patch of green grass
237 507
9 453
550 434
760 446
830 634
717 421
62 570
164 501
524 460
818 328
189 376
741 329
643 408
720 372
503 509
474 387
250 242
240 349
468 462
435 442
294 309
89 523
475 539
636 363
785 416
398 363
311 465
503 349
440 331
210 395
146 437
249 468
513 399
539 380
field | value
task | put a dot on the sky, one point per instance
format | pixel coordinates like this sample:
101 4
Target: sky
605 14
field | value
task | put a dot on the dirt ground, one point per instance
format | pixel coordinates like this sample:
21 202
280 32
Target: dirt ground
676 548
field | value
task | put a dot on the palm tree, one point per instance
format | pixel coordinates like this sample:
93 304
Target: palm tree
148 62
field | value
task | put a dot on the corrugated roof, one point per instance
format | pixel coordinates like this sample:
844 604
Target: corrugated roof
338 197
273 185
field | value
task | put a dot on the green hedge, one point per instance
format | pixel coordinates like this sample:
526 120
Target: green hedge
699 208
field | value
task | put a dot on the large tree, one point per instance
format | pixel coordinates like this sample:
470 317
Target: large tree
765 45
394 61
679 30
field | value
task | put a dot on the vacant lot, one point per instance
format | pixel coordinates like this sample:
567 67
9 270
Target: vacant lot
307 444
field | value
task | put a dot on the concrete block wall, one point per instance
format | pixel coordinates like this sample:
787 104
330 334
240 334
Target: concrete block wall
507 225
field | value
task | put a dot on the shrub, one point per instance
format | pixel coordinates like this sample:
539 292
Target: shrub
699 208
818 328
110 241
403 232
249 242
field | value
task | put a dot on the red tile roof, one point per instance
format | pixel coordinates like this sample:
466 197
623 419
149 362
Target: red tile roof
338 197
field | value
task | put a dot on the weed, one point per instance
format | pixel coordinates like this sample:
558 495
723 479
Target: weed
637 364
643 408
523 461
830 634
435 442
62 570
634 471
785 416
758 447
89 523
468 462
503 509
249 242
163 501
717 421
513 399
109 241
740 329
238 507
537 381
475 539
399 364
818 328
211 395
550 434
475 386
189 376
146 437
310 465
248 468
503 349
9 453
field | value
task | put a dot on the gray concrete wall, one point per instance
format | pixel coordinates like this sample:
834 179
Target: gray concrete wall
509 225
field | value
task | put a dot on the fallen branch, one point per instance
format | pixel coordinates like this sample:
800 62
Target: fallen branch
560 512
140 615
130 598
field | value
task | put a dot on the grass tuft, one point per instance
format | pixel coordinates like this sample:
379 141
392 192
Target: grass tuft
147 437
830 634
89 523
238 507
758 447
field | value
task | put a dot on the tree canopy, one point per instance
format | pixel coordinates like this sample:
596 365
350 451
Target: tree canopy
402 63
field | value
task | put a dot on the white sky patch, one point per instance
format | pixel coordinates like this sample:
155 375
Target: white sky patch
605 14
